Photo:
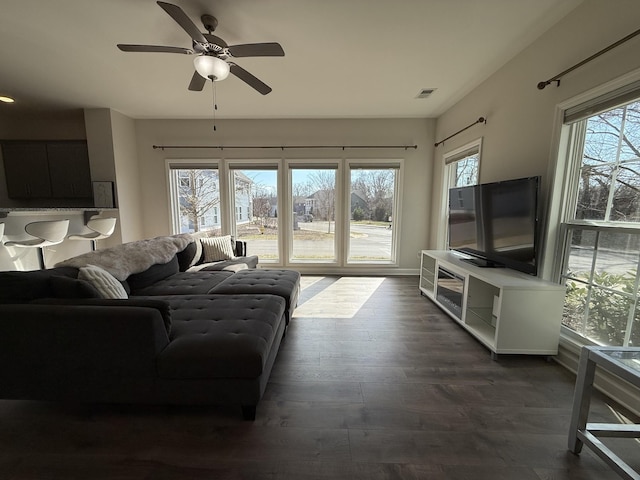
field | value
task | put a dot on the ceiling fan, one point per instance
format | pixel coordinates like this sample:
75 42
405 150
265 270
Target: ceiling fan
213 55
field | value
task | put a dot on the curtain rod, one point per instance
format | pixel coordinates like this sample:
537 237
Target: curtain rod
480 120
280 147
557 78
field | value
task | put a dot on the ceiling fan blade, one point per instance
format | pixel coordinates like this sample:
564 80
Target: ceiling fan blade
271 49
197 82
185 22
249 79
153 48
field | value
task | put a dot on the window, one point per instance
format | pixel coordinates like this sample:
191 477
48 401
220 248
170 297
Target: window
372 206
256 200
195 199
601 228
313 198
462 167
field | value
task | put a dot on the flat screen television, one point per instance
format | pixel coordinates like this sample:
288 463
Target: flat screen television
497 223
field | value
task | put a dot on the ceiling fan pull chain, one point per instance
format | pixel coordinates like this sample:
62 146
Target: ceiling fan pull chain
215 105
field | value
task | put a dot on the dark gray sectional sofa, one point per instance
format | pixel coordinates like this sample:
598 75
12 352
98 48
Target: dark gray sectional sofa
209 336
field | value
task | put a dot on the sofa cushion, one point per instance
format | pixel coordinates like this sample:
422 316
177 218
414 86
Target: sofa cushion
161 305
105 283
65 287
187 257
220 336
154 274
284 283
184 283
217 248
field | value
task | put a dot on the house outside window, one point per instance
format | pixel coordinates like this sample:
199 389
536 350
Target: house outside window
600 234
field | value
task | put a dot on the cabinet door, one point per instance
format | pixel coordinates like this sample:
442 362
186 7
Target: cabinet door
69 169
26 169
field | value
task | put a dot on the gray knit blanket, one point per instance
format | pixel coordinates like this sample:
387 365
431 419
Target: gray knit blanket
133 257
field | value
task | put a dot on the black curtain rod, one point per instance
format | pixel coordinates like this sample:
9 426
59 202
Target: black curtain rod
480 120
557 78
280 147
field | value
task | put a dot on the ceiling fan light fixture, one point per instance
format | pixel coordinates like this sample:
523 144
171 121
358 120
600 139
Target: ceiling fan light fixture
211 67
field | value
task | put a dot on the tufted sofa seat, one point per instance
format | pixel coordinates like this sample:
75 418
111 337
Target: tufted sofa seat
283 283
220 336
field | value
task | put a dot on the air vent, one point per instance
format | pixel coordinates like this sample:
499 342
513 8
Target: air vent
425 92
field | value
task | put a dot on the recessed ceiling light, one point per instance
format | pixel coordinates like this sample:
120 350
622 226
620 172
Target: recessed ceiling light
6 99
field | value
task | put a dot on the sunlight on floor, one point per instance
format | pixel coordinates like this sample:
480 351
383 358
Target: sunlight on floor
342 299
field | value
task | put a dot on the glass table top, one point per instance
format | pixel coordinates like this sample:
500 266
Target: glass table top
627 356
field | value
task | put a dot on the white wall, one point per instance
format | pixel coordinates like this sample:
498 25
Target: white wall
111 139
518 136
128 180
416 198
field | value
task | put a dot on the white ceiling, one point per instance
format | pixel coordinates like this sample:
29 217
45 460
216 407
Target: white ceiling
343 58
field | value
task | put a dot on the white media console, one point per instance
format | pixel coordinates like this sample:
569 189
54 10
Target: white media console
508 311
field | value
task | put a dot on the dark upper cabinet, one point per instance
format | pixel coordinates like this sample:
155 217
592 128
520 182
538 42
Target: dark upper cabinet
41 169
69 170
27 169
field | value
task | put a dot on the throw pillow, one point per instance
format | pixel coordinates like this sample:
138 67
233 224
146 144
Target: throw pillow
217 248
106 284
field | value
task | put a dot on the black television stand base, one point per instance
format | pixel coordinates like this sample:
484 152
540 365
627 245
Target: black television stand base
483 263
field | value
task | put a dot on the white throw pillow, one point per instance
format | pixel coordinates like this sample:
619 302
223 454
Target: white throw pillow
106 284
217 248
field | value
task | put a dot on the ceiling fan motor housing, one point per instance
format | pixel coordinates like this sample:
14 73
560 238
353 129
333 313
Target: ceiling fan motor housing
210 22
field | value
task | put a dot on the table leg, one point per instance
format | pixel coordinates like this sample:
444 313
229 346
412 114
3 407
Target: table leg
581 399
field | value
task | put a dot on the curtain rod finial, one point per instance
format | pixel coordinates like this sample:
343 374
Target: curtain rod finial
541 85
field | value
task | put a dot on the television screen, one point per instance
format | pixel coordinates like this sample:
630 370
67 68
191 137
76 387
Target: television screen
497 223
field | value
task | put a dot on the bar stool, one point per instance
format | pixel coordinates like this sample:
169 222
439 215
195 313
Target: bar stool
101 227
50 232
1 233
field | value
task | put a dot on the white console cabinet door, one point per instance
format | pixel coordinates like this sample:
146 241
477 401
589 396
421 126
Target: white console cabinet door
507 311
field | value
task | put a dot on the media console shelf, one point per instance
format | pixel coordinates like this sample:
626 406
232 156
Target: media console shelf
507 311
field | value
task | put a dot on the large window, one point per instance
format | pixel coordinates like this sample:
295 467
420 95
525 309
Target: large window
333 212
601 232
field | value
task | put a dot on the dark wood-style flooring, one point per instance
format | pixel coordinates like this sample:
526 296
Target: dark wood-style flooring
372 382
